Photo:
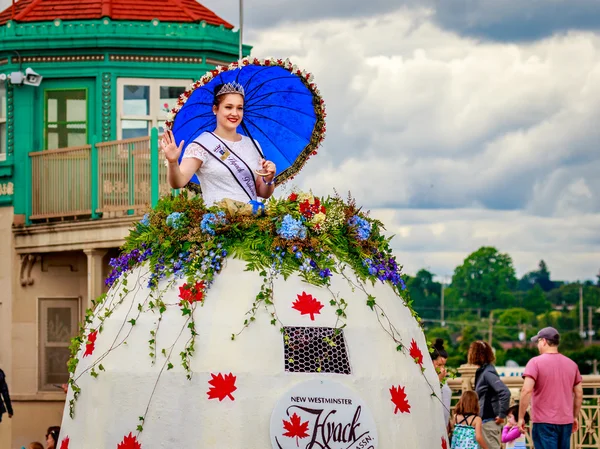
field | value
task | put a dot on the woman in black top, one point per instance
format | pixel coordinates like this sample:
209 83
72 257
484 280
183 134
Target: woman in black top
494 396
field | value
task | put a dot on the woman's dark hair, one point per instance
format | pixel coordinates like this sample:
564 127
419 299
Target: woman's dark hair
438 350
514 410
468 404
54 432
480 353
217 100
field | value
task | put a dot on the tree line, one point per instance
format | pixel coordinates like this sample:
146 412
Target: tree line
485 299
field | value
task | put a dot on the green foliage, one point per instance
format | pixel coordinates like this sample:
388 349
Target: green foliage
425 293
484 278
570 341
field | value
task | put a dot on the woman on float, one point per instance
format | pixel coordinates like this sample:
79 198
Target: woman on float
227 164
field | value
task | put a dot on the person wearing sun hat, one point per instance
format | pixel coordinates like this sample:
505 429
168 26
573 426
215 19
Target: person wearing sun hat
553 386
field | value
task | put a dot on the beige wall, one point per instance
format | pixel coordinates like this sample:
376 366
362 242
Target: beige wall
60 271
55 275
35 418
6 283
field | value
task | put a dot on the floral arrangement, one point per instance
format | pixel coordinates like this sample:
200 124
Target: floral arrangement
307 79
302 233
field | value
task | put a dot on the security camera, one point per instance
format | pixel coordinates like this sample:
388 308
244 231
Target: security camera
16 78
32 78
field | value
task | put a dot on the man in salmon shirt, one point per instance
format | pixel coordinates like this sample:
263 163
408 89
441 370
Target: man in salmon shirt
555 383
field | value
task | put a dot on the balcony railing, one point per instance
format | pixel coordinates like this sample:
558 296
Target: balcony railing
102 180
588 435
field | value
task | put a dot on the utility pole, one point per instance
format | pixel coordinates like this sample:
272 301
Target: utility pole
590 330
581 333
442 306
491 328
241 27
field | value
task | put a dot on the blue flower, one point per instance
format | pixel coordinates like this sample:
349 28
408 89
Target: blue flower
210 221
174 219
363 227
291 228
145 220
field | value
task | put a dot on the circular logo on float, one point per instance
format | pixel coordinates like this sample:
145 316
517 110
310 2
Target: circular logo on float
322 414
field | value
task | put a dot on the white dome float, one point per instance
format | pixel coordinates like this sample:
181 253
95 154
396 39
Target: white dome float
234 332
223 329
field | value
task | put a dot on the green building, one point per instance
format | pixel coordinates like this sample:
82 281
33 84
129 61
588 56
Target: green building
84 89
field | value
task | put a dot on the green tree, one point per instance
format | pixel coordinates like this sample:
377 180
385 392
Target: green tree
539 277
568 294
571 341
440 332
425 294
536 301
485 278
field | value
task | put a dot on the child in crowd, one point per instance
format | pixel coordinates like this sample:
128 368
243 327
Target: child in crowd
511 434
467 432
36 445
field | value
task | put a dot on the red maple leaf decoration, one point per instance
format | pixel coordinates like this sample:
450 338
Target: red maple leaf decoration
416 353
307 305
222 387
129 442
399 399
89 347
295 428
444 443
191 293
65 443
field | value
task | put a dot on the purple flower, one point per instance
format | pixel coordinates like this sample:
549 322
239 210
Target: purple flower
324 273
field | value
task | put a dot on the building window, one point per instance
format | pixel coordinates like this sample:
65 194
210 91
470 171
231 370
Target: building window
58 323
315 350
3 121
65 119
144 103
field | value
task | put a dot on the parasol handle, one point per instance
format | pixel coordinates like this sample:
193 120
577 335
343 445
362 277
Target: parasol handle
260 173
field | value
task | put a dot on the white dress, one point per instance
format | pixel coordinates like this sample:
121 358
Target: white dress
216 180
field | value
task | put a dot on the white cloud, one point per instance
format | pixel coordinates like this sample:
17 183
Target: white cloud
482 143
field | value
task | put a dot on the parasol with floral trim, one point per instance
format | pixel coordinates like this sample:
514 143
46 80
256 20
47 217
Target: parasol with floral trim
283 111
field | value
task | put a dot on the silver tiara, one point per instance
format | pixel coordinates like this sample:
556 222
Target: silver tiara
231 88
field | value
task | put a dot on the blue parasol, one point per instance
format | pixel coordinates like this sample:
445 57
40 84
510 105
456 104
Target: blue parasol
283 111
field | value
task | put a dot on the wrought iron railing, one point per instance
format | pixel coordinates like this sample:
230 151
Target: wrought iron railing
101 180
588 435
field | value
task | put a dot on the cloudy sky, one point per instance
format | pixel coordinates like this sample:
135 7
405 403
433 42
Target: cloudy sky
459 123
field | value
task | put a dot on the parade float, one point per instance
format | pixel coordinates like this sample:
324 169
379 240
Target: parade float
234 326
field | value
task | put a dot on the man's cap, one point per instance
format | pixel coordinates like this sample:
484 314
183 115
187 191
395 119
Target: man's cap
549 333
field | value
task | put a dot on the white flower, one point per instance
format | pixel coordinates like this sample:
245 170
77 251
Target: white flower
318 218
170 116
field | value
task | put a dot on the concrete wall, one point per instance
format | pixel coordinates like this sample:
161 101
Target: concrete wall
55 275
6 286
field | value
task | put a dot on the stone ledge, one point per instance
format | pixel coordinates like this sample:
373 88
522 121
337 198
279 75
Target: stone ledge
37 397
75 236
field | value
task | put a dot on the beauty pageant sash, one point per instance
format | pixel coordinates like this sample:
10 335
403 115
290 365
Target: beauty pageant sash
235 164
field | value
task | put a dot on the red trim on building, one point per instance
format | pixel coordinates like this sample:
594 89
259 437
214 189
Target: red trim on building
179 11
